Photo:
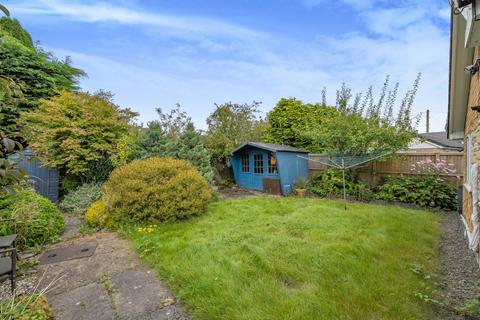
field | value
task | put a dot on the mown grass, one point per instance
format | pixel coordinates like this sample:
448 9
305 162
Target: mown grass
289 258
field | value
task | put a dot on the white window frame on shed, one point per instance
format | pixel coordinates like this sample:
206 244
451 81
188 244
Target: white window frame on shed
468 171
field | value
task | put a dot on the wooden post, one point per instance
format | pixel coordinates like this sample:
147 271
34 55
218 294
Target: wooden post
428 121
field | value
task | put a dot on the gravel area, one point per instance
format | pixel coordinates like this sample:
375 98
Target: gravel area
460 273
26 284
237 193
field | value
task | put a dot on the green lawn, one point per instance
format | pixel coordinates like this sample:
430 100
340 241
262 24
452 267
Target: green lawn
290 258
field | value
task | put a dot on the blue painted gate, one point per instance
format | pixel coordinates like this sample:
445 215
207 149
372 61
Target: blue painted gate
46 180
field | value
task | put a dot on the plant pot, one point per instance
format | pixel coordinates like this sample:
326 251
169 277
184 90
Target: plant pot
300 192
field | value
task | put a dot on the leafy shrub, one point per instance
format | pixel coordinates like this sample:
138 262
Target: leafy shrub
422 190
26 308
156 142
330 183
95 216
75 131
301 183
156 190
79 200
38 220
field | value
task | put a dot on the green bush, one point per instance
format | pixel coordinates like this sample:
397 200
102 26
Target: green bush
95 216
78 201
156 190
428 191
330 183
38 220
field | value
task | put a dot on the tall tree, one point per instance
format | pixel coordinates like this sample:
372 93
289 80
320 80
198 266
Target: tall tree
175 122
39 73
190 147
153 141
230 125
360 127
74 131
291 118
28 74
13 28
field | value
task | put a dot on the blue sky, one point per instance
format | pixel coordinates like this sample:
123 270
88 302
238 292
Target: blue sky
157 53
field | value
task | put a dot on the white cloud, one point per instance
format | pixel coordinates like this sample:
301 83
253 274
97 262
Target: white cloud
393 20
445 13
357 4
106 12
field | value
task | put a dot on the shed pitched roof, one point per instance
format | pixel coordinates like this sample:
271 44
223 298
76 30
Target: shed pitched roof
270 147
440 138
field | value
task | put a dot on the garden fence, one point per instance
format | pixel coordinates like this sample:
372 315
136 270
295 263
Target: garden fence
375 172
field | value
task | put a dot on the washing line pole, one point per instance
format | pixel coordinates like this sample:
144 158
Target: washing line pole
344 189
331 161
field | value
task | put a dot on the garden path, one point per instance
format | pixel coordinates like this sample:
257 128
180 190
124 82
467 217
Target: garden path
110 284
459 281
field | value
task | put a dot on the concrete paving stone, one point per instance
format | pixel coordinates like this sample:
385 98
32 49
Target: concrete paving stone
138 292
85 303
173 312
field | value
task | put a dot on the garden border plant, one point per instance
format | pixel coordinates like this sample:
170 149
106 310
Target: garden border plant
425 187
155 190
80 199
39 221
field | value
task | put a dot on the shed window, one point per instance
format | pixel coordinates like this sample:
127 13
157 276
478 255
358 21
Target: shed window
272 163
258 163
245 163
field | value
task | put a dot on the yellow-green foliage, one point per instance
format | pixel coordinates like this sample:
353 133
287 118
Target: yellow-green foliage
95 216
156 190
73 131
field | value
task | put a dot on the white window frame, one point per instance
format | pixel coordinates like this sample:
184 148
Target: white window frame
468 169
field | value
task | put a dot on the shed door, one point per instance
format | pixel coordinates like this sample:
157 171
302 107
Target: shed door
272 186
245 176
258 170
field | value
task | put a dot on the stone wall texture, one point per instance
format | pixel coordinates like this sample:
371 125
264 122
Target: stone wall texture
472 127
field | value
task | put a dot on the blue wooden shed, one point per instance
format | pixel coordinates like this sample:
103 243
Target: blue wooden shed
46 180
270 168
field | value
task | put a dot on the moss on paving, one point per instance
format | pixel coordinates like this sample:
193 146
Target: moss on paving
289 258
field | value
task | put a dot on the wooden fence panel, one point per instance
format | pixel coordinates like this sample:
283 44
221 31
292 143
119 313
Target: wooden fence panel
375 172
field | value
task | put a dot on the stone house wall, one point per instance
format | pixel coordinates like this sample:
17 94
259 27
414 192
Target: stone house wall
472 128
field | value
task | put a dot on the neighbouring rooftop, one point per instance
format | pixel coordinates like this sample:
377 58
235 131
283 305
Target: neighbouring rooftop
440 138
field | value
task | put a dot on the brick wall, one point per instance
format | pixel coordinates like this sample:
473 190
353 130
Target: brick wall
472 127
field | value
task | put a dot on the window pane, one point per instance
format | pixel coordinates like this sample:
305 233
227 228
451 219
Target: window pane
245 163
258 163
272 164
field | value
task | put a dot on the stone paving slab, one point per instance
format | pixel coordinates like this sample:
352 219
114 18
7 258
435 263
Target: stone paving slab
84 303
173 312
139 292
